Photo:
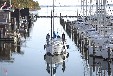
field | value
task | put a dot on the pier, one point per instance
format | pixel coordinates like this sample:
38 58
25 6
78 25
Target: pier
93 35
86 37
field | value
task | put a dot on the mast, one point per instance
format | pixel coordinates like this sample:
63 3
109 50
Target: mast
53 15
90 10
51 69
51 25
83 8
10 2
86 8
51 72
90 7
81 5
97 14
77 13
104 4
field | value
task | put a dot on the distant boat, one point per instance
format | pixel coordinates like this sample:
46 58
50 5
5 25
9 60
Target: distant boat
56 44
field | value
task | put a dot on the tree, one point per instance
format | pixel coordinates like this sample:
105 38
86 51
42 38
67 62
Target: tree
23 4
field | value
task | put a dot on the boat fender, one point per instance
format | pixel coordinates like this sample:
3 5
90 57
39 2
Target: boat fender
64 47
67 46
64 58
44 56
49 54
52 55
44 47
61 53
67 55
56 53
54 70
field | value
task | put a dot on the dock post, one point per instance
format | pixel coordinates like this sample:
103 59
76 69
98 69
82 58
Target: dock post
93 56
77 38
80 40
109 54
75 35
82 44
60 15
84 48
12 23
109 61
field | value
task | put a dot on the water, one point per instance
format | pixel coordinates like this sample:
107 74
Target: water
31 61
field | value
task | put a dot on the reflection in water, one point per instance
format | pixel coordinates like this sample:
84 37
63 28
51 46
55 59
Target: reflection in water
6 52
54 61
7 48
100 66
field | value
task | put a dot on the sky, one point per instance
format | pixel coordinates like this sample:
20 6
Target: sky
59 2
66 2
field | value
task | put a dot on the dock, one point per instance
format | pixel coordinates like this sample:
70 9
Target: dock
14 30
92 35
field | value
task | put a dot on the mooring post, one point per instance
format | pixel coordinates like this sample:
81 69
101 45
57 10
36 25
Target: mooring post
109 54
75 35
77 38
109 61
93 56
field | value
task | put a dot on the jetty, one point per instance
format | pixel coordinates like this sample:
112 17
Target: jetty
92 33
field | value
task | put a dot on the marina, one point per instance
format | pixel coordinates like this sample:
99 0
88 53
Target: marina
95 32
57 41
93 35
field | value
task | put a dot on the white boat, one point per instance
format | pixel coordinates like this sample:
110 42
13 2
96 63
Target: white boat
56 44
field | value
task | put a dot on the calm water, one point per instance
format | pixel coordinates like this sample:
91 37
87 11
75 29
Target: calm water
31 61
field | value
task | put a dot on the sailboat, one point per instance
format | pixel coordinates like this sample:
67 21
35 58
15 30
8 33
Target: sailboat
56 44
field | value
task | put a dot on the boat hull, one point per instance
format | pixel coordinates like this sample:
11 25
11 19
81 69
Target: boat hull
56 46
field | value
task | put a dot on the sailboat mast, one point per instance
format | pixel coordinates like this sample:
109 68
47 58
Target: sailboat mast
53 15
10 2
86 8
51 26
